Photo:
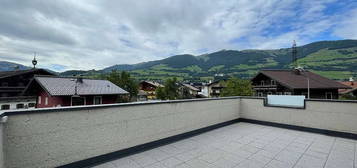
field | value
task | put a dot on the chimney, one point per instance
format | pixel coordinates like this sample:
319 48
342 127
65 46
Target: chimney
299 70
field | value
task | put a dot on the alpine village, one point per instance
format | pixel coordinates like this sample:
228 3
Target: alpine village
290 72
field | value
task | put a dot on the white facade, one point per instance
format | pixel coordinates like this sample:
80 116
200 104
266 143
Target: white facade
204 91
16 104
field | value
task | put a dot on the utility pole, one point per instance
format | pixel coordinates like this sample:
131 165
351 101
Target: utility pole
294 55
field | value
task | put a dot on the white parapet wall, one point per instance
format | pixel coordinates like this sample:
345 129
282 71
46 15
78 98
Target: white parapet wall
321 114
54 137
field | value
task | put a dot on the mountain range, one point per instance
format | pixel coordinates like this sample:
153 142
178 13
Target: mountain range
10 66
332 59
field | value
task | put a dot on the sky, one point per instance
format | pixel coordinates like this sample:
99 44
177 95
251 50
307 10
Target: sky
94 34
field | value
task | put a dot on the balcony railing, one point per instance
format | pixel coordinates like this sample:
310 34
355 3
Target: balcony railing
264 86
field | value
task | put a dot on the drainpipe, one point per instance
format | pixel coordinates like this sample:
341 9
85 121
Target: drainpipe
308 87
3 120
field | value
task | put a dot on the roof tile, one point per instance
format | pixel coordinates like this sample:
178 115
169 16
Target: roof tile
295 81
59 86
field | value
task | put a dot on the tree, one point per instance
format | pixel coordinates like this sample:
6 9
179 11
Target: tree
160 93
185 93
169 91
237 87
124 81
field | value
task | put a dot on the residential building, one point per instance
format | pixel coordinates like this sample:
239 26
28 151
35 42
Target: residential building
20 102
150 88
188 91
215 88
352 91
13 83
61 91
295 82
142 96
224 132
203 89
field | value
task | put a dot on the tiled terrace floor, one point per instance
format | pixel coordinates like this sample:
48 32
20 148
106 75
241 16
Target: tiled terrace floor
244 145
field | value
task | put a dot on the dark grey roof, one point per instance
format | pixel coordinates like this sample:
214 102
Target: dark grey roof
153 83
60 86
299 81
190 87
4 74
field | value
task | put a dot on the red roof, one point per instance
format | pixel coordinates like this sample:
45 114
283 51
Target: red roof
352 84
293 80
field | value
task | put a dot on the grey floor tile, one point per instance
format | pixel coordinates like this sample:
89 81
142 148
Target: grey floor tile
289 157
197 163
143 160
245 145
171 162
183 165
155 165
278 164
307 161
125 163
250 164
225 163
105 165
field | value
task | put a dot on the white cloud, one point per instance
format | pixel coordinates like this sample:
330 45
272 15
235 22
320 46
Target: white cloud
348 26
95 34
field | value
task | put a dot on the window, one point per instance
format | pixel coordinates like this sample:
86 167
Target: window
262 83
97 100
31 105
5 107
78 101
19 106
260 94
270 93
285 101
39 99
328 95
46 101
273 82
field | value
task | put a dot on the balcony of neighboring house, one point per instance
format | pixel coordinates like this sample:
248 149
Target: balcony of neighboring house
278 132
7 89
11 88
266 85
